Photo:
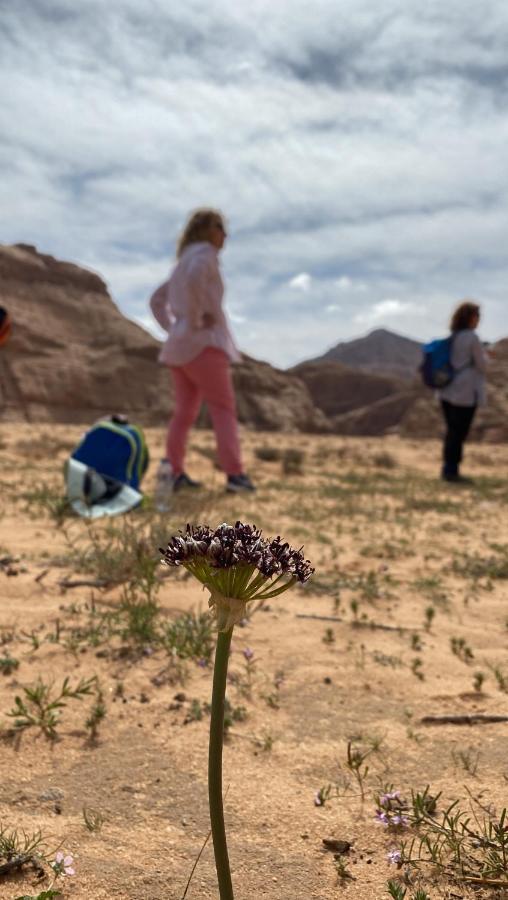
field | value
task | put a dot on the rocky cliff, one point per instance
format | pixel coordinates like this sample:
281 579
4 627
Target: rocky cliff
73 357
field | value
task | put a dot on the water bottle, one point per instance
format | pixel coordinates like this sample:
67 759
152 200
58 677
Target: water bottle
163 487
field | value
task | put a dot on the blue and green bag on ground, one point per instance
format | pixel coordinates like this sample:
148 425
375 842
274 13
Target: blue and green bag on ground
104 472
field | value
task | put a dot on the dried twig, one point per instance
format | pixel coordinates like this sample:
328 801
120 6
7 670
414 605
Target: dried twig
476 719
42 575
66 584
373 625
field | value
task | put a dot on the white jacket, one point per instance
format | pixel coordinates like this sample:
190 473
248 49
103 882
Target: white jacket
189 307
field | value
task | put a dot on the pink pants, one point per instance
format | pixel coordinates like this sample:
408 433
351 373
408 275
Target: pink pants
208 378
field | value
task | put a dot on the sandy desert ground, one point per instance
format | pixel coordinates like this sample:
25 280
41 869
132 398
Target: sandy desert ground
405 618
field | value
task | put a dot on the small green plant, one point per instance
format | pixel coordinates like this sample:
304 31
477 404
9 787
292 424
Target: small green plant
40 706
478 680
190 636
195 712
8 664
233 714
19 844
96 716
455 842
139 616
265 742
423 804
341 867
416 643
384 460
93 819
460 648
430 612
268 453
468 759
479 567
329 636
292 461
431 586
396 890
322 795
500 677
355 763
417 668
48 500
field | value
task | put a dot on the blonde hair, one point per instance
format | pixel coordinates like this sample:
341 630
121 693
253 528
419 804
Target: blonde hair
197 228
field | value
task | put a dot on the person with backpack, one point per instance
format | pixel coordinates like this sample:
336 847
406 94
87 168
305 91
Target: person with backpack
466 389
199 351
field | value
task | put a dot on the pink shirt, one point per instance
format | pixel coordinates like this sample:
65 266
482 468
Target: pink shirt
189 307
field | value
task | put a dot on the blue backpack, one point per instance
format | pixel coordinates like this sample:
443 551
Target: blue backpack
436 368
116 450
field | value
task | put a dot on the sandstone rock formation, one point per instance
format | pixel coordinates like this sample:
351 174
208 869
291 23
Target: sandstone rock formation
73 357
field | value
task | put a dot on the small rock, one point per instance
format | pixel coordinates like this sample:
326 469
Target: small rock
327 680
336 845
52 794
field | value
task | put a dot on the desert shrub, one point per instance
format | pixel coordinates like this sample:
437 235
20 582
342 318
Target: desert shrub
384 460
190 636
267 453
292 461
475 566
49 500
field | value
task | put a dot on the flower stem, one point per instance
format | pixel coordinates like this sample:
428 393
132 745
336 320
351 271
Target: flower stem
215 765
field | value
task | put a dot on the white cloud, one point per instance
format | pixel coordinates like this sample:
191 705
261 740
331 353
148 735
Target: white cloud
301 282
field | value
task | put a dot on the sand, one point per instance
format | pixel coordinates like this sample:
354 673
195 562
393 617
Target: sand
388 540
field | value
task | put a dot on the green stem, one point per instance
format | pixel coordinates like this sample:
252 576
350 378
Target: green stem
220 847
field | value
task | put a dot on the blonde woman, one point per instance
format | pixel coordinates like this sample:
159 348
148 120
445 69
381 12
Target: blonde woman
199 351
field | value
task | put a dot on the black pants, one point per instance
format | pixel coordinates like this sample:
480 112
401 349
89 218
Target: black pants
458 422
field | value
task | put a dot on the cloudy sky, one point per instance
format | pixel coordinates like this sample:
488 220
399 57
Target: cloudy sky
358 150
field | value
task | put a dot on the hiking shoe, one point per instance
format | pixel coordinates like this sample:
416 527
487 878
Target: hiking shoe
184 481
456 478
237 483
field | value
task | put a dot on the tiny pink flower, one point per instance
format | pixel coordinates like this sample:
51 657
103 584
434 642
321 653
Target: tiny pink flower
64 864
248 654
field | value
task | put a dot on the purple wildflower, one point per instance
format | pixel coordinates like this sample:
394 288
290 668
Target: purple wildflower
382 816
230 545
399 819
248 654
385 799
237 565
394 857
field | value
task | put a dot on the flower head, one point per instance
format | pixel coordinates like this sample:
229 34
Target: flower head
63 865
394 857
248 654
236 564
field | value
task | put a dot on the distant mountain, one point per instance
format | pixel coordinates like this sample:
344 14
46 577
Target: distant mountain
380 352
